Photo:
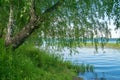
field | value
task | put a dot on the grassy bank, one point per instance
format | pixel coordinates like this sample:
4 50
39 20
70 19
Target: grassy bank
107 45
74 44
29 63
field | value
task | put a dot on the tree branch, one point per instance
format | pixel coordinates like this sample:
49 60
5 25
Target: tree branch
19 38
51 9
32 25
54 7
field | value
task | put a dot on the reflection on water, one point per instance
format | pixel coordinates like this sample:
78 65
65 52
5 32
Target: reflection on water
106 63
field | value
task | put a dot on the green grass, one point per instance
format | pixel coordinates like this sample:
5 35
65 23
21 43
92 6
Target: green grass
30 63
74 44
107 45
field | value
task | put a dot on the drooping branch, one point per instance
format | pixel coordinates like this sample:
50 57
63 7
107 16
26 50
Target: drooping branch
9 27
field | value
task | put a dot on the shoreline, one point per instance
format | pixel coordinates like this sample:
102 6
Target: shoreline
107 45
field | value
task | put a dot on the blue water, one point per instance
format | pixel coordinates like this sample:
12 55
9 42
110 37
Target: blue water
106 63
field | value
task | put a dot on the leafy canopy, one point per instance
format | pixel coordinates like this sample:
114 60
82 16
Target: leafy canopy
71 19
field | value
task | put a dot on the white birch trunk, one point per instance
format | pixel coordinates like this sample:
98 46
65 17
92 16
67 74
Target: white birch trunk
9 26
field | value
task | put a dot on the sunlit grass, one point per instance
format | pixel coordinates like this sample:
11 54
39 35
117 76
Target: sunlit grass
106 45
74 44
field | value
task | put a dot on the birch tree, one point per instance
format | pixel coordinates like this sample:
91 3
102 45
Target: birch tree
61 19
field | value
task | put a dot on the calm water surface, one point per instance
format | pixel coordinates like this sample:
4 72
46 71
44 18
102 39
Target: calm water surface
106 63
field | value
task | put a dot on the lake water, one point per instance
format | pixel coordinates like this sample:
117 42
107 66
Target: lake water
106 62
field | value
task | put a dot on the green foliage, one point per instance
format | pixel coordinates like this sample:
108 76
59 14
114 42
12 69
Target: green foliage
30 63
107 45
16 66
72 19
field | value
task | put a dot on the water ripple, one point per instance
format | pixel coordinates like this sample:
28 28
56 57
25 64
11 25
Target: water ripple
107 65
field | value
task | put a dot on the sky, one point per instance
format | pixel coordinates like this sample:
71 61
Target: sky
114 33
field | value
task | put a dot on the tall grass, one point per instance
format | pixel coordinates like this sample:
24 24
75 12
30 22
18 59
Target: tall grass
29 63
